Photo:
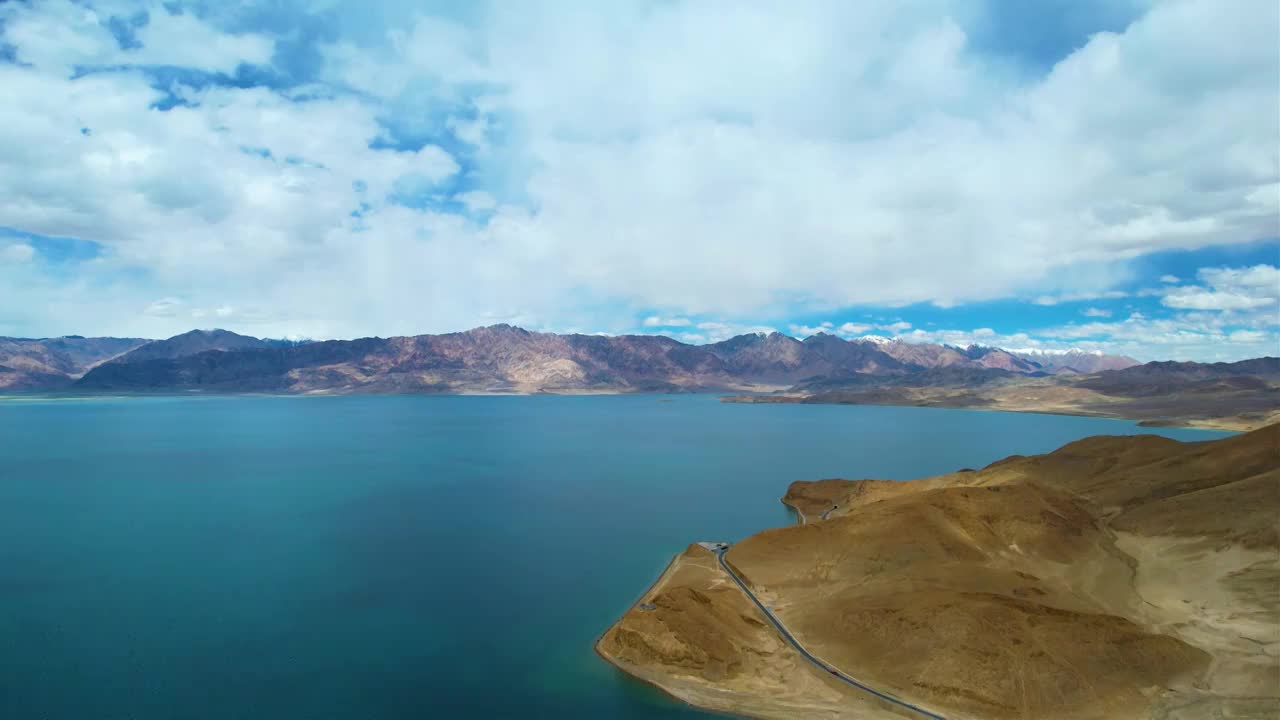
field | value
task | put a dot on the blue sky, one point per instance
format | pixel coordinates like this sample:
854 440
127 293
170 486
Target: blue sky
1099 174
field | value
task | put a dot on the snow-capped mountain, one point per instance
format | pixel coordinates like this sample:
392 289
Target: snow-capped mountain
1074 360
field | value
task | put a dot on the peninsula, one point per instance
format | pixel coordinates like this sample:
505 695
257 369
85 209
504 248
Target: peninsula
1116 577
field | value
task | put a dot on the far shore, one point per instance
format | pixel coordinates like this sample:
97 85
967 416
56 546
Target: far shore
1235 423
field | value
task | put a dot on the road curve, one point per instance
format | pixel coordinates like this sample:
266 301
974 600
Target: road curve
823 665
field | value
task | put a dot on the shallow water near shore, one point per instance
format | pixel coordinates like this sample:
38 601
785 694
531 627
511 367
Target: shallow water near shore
346 558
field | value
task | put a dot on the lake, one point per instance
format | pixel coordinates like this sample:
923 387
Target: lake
398 557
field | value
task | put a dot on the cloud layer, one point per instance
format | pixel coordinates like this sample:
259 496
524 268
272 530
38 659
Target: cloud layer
563 166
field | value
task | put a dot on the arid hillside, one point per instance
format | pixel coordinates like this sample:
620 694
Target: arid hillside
1243 395
1117 577
55 363
505 359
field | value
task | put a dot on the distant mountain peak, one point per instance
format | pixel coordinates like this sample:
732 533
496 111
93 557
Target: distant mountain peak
877 339
1074 360
194 342
1055 351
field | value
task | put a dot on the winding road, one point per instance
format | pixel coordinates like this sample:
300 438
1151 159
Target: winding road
826 667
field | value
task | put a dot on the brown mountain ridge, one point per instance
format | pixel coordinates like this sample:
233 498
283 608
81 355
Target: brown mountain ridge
498 358
768 367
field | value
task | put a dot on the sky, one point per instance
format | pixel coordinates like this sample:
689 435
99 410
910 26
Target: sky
1100 174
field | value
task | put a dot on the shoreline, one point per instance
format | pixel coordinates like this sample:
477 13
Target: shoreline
634 676
1223 424
735 702
803 519
664 684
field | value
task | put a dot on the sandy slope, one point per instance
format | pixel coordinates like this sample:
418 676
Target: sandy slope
1117 577
695 635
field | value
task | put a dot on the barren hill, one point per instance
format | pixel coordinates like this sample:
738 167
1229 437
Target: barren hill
52 363
1117 577
1234 396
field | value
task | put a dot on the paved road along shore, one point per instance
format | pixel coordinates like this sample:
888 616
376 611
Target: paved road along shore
826 667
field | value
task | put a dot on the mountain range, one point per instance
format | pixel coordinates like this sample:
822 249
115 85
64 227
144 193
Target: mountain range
765 367
502 358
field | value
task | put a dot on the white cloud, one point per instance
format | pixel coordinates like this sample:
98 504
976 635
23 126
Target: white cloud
1259 277
659 321
60 35
847 329
473 132
641 169
1228 289
807 330
182 40
1095 312
476 200
1170 279
1206 337
1199 299
1252 337
853 329
1079 297
17 253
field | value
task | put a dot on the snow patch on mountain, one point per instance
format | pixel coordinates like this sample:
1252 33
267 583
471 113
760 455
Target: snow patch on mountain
876 339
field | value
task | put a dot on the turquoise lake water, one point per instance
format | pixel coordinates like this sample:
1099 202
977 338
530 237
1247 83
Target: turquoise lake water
370 558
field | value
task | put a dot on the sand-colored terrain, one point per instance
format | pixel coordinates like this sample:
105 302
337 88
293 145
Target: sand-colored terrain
1117 577
697 636
1233 410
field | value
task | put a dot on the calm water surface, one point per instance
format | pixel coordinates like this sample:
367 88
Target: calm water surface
381 558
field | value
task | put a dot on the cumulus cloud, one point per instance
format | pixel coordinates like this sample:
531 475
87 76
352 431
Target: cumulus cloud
654 321
1095 312
1199 299
847 329
620 160
1170 279
1192 336
63 35
1228 289
852 328
1189 336
1259 277
807 330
